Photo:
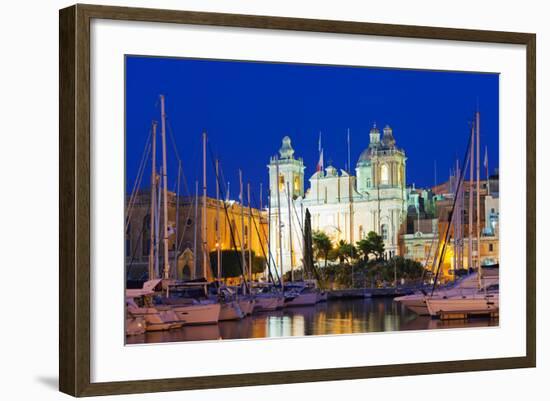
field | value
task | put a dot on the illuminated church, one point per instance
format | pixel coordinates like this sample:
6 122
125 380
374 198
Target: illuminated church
344 206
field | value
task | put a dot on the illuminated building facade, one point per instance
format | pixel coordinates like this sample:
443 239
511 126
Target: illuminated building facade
344 206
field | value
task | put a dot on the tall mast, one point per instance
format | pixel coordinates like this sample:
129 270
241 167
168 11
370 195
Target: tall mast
218 244
204 243
349 158
193 275
456 218
243 257
249 242
261 196
478 204
471 202
290 231
279 225
153 204
350 194
164 189
176 248
269 231
157 228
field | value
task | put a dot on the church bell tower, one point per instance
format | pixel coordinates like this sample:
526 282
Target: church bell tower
291 174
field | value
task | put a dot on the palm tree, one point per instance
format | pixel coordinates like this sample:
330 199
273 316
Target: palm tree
322 245
345 251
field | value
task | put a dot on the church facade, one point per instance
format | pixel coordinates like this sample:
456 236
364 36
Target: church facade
344 206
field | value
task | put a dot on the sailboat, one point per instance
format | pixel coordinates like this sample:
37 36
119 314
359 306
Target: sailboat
481 301
153 318
187 311
473 294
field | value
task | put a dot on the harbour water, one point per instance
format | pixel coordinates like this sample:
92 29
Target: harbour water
344 316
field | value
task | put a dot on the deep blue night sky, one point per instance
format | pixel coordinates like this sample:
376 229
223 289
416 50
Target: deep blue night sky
248 107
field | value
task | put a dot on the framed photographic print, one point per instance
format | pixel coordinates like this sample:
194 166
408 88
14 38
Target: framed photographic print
261 200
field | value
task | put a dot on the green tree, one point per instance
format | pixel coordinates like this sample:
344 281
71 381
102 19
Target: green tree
373 244
322 245
232 263
407 268
345 251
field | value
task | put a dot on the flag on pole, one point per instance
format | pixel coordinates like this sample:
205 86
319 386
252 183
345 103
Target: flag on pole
320 165
486 159
320 148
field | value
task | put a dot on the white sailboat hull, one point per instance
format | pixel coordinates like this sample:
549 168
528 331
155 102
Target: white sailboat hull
169 316
135 326
417 305
230 311
198 313
151 316
246 305
267 303
322 296
462 305
303 299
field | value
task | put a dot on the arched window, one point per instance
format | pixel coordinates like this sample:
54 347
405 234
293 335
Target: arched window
384 230
281 182
296 184
384 174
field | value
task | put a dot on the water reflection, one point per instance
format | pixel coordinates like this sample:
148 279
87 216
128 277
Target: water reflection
333 317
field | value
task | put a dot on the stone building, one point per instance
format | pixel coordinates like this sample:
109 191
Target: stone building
189 230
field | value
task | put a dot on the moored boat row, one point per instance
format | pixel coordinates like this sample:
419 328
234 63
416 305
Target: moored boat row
150 310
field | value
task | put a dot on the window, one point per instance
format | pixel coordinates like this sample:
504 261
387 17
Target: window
296 184
361 233
490 247
281 182
384 230
384 174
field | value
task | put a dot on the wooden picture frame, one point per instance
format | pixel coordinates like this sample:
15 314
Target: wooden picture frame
74 203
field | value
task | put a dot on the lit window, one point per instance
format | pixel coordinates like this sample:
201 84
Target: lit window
384 174
296 184
281 182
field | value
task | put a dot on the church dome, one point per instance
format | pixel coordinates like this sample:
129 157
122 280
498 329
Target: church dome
365 156
286 150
